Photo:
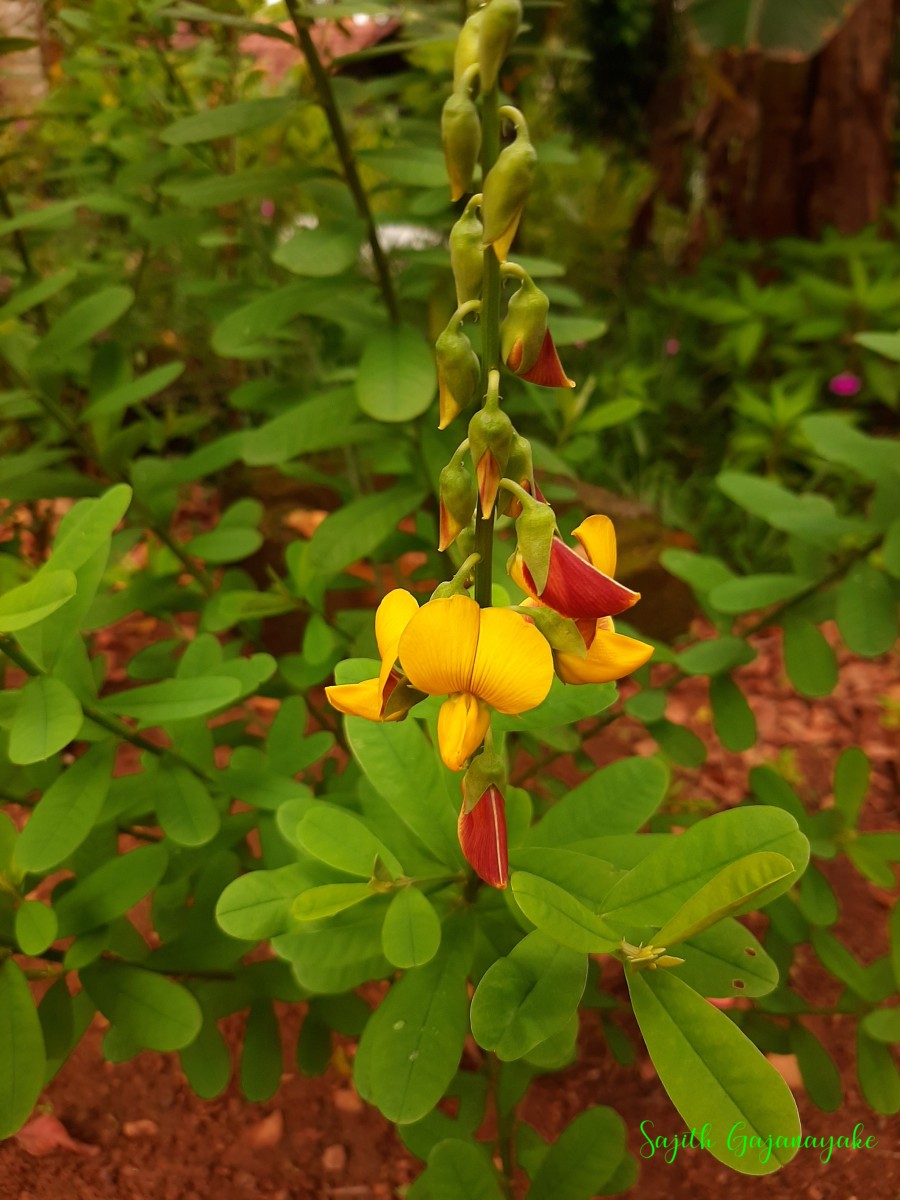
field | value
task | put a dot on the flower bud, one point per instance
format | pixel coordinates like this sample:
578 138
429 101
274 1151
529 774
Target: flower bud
461 139
505 192
466 53
523 329
459 372
535 530
458 497
490 440
466 253
482 837
497 32
547 370
520 469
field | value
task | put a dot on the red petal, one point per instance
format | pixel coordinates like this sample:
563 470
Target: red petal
482 835
547 371
576 589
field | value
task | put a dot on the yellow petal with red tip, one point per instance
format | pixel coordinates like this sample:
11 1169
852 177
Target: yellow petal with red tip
548 371
513 666
503 243
610 656
394 614
437 648
449 406
598 537
482 836
488 475
357 699
462 723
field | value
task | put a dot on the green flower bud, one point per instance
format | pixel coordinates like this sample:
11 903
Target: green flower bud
458 497
466 53
498 29
459 372
523 329
505 192
520 469
466 253
461 139
490 440
486 771
535 529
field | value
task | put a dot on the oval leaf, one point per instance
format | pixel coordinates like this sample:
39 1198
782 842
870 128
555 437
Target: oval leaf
397 378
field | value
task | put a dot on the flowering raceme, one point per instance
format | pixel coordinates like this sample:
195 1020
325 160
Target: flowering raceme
586 591
480 658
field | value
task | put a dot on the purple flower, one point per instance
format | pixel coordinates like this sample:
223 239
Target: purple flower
845 384
267 209
672 346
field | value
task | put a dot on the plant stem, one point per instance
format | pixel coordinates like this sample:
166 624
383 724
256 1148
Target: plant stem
505 1124
322 81
490 339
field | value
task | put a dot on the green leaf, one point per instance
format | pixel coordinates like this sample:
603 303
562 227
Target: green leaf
821 1078
561 916
616 799
48 717
147 1008
890 549
809 660
355 531
564 706
866 611
206 1062
416 795
320 252
457 1170
528 996
22 1057
315 903
837 959
755 591
878 1075
701 571
228 120
816 899
729 891
31 602
338 953
586 877
117 399
726 960
715 655
214 190
883 1025
86 528
343 841
225 545
258 905
262 1058
583 1159
411 1046
669 875
397 378
79 324
36 927
613 412
173 700
183 804
715 1077
835 439
319 424
792 31
110 891
68 810
679 743
411 933
733 718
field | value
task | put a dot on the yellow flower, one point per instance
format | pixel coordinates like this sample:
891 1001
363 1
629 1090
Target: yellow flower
480 658
386 698
587 592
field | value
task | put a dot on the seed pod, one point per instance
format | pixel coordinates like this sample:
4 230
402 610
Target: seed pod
466 53
498 29
458 497
461 139
459 372
505 192
522 331
466 253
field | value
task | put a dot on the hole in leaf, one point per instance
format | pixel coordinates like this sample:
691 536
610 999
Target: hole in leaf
750 952
738 984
